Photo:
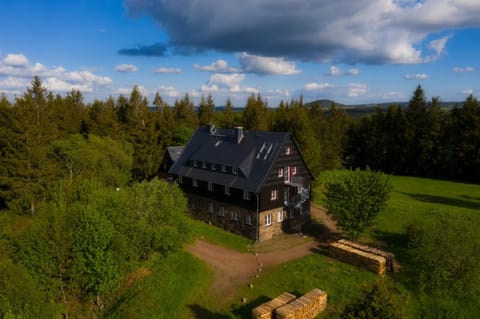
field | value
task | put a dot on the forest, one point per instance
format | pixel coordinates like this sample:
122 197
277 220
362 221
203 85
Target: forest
81 209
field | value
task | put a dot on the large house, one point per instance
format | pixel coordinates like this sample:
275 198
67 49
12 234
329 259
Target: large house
252 183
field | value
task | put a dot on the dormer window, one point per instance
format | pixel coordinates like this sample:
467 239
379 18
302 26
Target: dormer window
234 171
195 163
224 169
288 150
204 165
214 167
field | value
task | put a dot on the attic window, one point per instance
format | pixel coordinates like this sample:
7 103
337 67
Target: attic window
288 150
195 163
264 151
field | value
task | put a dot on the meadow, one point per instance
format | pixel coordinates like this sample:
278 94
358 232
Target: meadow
178 286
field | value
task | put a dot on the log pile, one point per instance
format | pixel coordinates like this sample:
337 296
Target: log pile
363 256
286 306
306 307
265 311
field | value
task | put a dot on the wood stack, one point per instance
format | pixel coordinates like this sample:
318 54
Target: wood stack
306 307
366 257
265 311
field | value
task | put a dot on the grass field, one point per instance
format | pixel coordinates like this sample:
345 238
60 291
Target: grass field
178 286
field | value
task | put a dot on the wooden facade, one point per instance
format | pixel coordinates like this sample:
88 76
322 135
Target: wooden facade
267 196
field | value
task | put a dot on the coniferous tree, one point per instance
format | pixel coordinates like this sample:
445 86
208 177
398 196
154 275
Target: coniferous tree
228 119
206 110
255 113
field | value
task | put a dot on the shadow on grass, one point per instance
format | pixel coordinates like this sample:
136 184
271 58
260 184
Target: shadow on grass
245 311
319 231
200 312
471 197
463 203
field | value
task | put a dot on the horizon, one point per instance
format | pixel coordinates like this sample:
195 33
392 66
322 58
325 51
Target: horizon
361 52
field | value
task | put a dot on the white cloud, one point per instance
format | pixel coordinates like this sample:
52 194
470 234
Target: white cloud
438 45
468 91
418 76
357 89
18 73
128 91
334 71
167 70
16 60
353 72
126 68
219 66
466 69
169 91
360 31
312 86
266 65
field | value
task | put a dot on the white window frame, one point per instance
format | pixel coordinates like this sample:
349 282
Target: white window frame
235 214
214 167
194 183
268 219
280 216
204 165
248 219
288 150
195 163
224 169
294 170
274 194
210 207
246 195
221 211
280 172
234 171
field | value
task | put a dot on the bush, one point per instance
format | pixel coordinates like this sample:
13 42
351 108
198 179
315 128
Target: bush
355 198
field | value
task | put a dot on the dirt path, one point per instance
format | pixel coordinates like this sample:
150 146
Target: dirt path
233 269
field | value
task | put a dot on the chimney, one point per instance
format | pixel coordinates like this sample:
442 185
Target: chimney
238 134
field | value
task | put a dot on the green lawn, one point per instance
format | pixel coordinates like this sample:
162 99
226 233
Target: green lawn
178 285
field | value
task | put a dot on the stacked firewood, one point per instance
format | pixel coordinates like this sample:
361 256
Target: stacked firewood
265 311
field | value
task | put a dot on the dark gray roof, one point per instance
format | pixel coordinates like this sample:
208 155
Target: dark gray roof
253 156
174 152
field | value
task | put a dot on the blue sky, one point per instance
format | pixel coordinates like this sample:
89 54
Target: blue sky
352 51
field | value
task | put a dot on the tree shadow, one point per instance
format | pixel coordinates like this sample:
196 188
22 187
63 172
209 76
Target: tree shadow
471 197
463 203
203 313
245 310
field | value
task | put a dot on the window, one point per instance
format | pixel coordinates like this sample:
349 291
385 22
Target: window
246 195
195 163
214 167
227 190
199 204
291 213
221 212
235 214
287 174
280 216
224 169
280 172
204 164
210 186
180 179
274 194
234 171
294 170
190 203
288 150
248 219
194 183
210 207
268 219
